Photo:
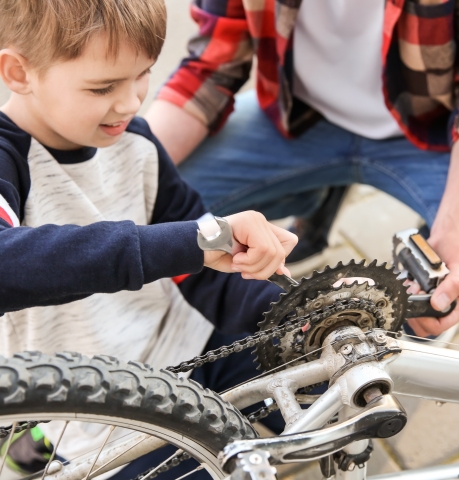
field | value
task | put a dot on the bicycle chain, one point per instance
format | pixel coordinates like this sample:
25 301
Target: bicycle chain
265 335
173 462
276 332
6 431
222 352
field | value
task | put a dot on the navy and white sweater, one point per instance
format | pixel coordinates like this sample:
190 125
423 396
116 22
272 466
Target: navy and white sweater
78 225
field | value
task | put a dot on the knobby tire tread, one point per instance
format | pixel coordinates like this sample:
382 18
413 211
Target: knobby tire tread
69 382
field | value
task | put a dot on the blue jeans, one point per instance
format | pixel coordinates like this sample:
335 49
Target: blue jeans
249 165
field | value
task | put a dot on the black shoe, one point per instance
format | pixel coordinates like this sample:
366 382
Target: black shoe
313 232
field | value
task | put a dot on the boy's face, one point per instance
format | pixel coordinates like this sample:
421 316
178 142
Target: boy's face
89 101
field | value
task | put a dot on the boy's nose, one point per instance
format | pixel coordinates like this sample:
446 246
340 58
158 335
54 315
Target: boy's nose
128 103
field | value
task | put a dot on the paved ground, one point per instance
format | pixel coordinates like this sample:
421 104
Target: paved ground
363 229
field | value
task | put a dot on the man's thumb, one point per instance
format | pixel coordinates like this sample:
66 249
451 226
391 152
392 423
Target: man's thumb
446 293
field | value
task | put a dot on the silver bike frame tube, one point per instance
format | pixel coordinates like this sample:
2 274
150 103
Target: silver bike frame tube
319 413
257 390
421 370
444 472
425 371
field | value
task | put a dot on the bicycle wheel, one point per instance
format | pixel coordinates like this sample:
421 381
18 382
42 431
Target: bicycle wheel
103 390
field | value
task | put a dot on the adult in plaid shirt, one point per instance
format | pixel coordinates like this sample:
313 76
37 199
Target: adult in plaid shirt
348 91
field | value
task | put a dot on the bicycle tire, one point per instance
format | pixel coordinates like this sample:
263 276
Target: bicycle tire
38 386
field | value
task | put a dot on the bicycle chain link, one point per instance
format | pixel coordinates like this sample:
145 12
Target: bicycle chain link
173 462
276 332
6 431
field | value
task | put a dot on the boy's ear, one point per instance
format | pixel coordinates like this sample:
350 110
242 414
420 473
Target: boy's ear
13 71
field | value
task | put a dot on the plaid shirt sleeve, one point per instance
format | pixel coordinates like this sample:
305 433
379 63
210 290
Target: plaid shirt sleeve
219 62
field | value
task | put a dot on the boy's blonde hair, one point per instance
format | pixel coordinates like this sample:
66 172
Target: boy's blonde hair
46 31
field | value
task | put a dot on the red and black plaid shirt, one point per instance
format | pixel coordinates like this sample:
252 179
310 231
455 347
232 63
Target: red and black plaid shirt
420 68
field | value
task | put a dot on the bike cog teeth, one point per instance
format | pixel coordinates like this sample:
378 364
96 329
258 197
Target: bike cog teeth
310 288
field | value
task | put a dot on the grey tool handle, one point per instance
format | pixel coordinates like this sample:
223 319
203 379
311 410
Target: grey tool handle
283 281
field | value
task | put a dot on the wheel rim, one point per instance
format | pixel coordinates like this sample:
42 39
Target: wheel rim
200 453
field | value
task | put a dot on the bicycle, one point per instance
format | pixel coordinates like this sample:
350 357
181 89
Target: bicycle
320 330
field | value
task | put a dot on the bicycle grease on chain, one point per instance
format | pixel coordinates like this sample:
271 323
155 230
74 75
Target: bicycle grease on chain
274 332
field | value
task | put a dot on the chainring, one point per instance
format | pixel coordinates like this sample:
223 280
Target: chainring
389 295
308 340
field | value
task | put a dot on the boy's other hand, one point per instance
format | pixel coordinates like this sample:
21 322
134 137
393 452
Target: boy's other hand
267 246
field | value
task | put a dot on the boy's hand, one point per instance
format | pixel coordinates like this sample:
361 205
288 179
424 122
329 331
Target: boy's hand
266 248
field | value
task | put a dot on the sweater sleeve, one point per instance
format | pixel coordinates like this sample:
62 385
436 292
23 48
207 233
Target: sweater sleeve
219 62
52 264
232 304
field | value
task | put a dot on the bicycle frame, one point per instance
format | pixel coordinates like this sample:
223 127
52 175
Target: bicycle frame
419 370
407 368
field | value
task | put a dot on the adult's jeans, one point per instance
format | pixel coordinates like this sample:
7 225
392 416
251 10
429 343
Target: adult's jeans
249 165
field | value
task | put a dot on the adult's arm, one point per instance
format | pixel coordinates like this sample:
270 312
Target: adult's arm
444 239
219 62
179 131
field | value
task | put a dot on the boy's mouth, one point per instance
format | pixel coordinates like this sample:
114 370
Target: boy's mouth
114 129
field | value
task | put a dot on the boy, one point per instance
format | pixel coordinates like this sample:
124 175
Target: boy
90 203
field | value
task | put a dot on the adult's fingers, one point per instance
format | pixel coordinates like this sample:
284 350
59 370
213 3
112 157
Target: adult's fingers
413 287
424 326
416 325
446 292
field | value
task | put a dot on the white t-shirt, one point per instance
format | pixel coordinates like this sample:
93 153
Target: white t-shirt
338 64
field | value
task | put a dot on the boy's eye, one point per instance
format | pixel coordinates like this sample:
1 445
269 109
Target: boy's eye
103 91
145 72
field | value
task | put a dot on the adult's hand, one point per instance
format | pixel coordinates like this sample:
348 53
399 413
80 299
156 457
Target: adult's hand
444 239
446 292
267 248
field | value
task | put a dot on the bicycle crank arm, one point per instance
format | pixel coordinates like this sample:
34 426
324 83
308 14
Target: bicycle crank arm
420 306
381 418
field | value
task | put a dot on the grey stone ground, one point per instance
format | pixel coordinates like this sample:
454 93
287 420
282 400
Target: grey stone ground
363 229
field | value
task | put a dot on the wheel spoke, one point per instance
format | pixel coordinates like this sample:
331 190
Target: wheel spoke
53 454
10 438
189 473
118 456
112 427
150 473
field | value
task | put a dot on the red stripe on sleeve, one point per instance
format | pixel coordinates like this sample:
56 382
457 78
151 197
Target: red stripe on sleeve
179 278
6 217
